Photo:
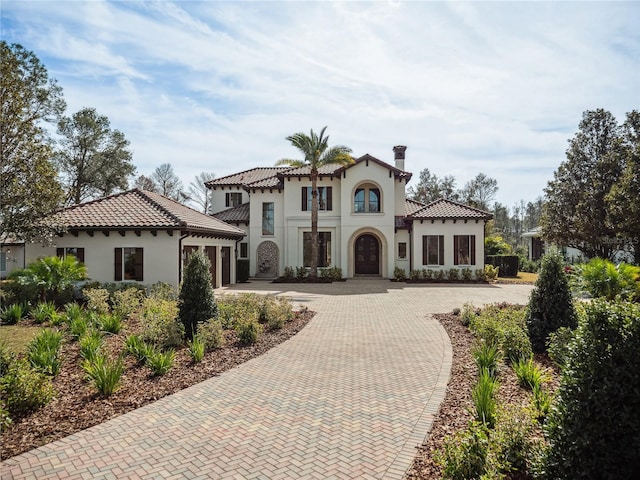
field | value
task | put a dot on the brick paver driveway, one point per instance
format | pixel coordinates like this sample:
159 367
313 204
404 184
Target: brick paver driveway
350 396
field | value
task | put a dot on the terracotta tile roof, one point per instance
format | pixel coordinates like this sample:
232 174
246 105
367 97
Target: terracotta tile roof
269 182
412 206
141 209
330 169
247 177
239 214
397 172
449 209
335 168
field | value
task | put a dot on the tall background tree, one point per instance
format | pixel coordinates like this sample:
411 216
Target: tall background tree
317 153
624 198
431 188
145 183
29 187
168 184
479 192
94 160
577 211
199 192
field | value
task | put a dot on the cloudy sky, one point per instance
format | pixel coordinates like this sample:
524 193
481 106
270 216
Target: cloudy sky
493 87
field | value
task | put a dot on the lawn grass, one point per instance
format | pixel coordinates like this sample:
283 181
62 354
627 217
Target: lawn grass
523 277
17 337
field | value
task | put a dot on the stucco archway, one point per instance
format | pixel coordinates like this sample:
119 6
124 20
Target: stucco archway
368 234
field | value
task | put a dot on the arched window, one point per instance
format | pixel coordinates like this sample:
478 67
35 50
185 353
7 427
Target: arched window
367 199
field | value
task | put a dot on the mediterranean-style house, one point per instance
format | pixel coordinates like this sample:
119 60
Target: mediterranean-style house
366 224
136 236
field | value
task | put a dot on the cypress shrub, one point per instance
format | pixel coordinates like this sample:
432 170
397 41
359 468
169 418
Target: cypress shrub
196 301
594 426
550 304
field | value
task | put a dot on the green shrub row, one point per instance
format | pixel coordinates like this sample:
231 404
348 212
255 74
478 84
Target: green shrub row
453 274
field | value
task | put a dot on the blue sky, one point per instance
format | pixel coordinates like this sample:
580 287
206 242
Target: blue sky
492 87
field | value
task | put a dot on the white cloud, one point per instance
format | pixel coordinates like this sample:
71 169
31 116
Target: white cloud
216 86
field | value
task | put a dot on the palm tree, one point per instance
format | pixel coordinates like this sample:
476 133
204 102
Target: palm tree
317 153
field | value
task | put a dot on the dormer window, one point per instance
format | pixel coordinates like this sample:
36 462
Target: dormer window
367 199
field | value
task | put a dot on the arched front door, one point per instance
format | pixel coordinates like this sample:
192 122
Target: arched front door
367 255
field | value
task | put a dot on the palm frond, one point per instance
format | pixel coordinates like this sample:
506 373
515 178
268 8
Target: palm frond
291 162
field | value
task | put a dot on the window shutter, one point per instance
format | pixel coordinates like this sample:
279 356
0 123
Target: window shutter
227 199
473 249
80 252
305 193
118 265
441 249
456 248
329 202
139 264
425 250
60 252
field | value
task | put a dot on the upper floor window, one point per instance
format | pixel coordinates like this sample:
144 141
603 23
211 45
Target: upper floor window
325 201
464 249
367 199
268 226
402 250
233 199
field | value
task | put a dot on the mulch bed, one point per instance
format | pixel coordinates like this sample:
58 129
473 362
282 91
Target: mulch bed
77 405
455 411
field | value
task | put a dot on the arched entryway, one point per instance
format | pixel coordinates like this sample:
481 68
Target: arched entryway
367 255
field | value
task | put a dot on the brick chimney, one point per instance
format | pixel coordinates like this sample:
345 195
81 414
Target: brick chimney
398 151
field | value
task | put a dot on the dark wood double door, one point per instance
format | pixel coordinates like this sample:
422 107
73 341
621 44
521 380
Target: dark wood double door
210 252
367 255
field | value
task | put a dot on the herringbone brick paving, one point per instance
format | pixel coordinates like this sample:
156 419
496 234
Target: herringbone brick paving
350 396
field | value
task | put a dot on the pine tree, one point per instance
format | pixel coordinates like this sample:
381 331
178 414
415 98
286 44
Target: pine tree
197 303
550 304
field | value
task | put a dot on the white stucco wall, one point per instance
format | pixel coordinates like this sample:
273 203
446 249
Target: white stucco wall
255 229
218 197
14 258
402 236
161 254
380 224
448 230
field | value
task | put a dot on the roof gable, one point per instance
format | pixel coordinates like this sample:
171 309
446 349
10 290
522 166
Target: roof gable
142 210
335 169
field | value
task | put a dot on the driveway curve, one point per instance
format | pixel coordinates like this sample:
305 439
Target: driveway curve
350 396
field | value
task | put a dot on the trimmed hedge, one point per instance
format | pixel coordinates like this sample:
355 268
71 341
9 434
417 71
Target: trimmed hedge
594 426
508 264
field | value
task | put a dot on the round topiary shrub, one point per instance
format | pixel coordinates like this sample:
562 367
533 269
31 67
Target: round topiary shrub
196 301
594 426
550 304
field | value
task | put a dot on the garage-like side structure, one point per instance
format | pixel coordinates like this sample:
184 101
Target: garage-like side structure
141 236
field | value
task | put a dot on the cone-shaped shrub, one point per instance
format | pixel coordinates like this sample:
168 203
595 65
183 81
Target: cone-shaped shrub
196 302
550 304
